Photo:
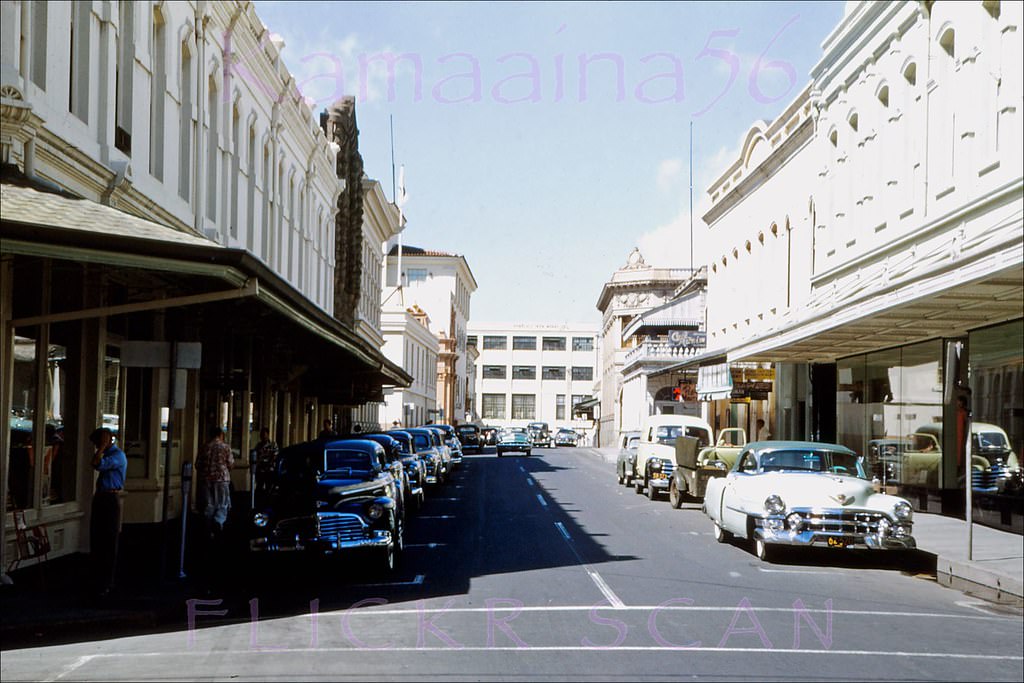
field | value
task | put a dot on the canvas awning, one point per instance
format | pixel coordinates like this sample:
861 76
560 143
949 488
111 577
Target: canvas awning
714 382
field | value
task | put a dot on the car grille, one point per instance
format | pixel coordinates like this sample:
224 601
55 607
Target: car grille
348 526
988 479
841 521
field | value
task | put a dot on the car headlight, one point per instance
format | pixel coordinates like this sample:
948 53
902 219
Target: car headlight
375 511
655 464
903 510
773 505
260 520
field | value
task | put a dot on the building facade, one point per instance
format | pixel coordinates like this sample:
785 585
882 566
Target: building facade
904 253
441 284
409 343
534 372
170 253
631 291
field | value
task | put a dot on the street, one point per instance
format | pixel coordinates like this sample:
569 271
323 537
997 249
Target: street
543 568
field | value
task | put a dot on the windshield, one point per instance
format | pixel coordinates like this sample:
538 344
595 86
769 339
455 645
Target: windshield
667 434
990 441
813 461
335 460
633 443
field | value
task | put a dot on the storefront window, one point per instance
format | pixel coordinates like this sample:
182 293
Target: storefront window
58 476
850 398
21 459
997 382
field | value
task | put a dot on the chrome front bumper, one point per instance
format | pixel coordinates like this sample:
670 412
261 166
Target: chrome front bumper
836 529
321 544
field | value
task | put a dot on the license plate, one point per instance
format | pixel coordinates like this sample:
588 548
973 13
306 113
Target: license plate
834 542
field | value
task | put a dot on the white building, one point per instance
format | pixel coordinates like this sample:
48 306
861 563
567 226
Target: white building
409 343
441 284
891 192
534 372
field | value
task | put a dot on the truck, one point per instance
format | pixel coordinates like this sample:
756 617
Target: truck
656 452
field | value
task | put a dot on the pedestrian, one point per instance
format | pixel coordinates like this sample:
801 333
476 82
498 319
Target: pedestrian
213 471
762 431
264 460
105 521
328 431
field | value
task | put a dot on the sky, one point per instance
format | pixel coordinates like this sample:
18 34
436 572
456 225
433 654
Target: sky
544 141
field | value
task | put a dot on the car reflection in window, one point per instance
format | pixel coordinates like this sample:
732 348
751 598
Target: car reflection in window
812 461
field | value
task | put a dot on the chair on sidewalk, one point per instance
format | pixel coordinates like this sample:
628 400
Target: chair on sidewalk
29 541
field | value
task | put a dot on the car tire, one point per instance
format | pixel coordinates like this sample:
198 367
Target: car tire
721 535
527 454
652 492
499 454
675 498
763 550
622 478
638 485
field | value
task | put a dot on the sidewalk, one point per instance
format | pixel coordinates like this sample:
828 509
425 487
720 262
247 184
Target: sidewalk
995 570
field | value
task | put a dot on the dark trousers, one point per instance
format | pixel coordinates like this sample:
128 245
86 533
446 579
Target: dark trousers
104 530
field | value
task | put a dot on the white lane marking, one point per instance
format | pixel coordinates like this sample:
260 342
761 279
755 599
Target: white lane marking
424 545
372 611
734 575
541 499
793 571
415 582
573 648
445 499
605 589
561 528
77 664
435 516
695 533
529 481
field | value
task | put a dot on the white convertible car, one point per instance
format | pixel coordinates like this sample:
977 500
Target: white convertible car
800 493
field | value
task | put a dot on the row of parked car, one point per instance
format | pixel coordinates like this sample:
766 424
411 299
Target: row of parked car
777 493
339 495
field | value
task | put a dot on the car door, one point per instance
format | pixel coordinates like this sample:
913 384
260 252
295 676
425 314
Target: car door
733 517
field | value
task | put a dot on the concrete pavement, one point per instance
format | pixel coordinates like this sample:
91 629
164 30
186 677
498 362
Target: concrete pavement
994 570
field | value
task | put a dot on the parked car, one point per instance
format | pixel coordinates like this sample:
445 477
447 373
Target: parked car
424 441
656 452
514 441
801 493
437 438
397 463
566 437
415 467
330 498
490 435
451 440
540 435
471 437
695 465
628 442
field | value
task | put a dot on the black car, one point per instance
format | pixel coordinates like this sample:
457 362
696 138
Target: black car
415 467
471 437
426 444
331 498
393 456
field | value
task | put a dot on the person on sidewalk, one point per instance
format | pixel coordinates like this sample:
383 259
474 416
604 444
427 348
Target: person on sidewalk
762 431
213 470
105 521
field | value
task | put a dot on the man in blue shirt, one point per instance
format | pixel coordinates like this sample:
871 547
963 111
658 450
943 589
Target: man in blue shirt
105 523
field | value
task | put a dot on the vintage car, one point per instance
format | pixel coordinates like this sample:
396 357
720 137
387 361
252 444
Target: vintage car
695 465
424 441
513 441
415 467
656 452
628 442
540 435
490 435
395 461
451 440
437 438
471 437
330 498
566 437
801 493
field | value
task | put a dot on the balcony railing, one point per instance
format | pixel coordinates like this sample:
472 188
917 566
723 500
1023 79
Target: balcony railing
659 352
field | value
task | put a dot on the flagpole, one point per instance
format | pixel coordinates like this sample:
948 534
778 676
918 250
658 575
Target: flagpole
691 196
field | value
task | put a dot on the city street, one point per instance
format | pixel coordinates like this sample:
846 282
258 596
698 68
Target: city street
545 568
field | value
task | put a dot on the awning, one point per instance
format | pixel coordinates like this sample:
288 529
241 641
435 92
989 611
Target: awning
57 226
714 382
685 313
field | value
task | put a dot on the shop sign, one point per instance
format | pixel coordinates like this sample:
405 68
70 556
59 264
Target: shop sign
687 339
755 391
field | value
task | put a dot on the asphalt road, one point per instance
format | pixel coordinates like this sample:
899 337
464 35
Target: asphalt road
543 568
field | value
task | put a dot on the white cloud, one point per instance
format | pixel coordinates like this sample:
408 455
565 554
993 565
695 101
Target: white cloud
669 173
668 245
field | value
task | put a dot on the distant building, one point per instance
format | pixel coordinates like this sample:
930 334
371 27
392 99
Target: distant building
631 291
441 284
409 343
531 372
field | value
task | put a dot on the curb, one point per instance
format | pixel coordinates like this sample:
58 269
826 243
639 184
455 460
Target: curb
984 583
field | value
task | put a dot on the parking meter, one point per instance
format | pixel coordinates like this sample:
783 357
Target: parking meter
186 491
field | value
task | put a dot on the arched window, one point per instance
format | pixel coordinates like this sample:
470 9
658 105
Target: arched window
185 124
947 41
992 7
910 73
833 137
212 147
853 120
883 96
157 96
